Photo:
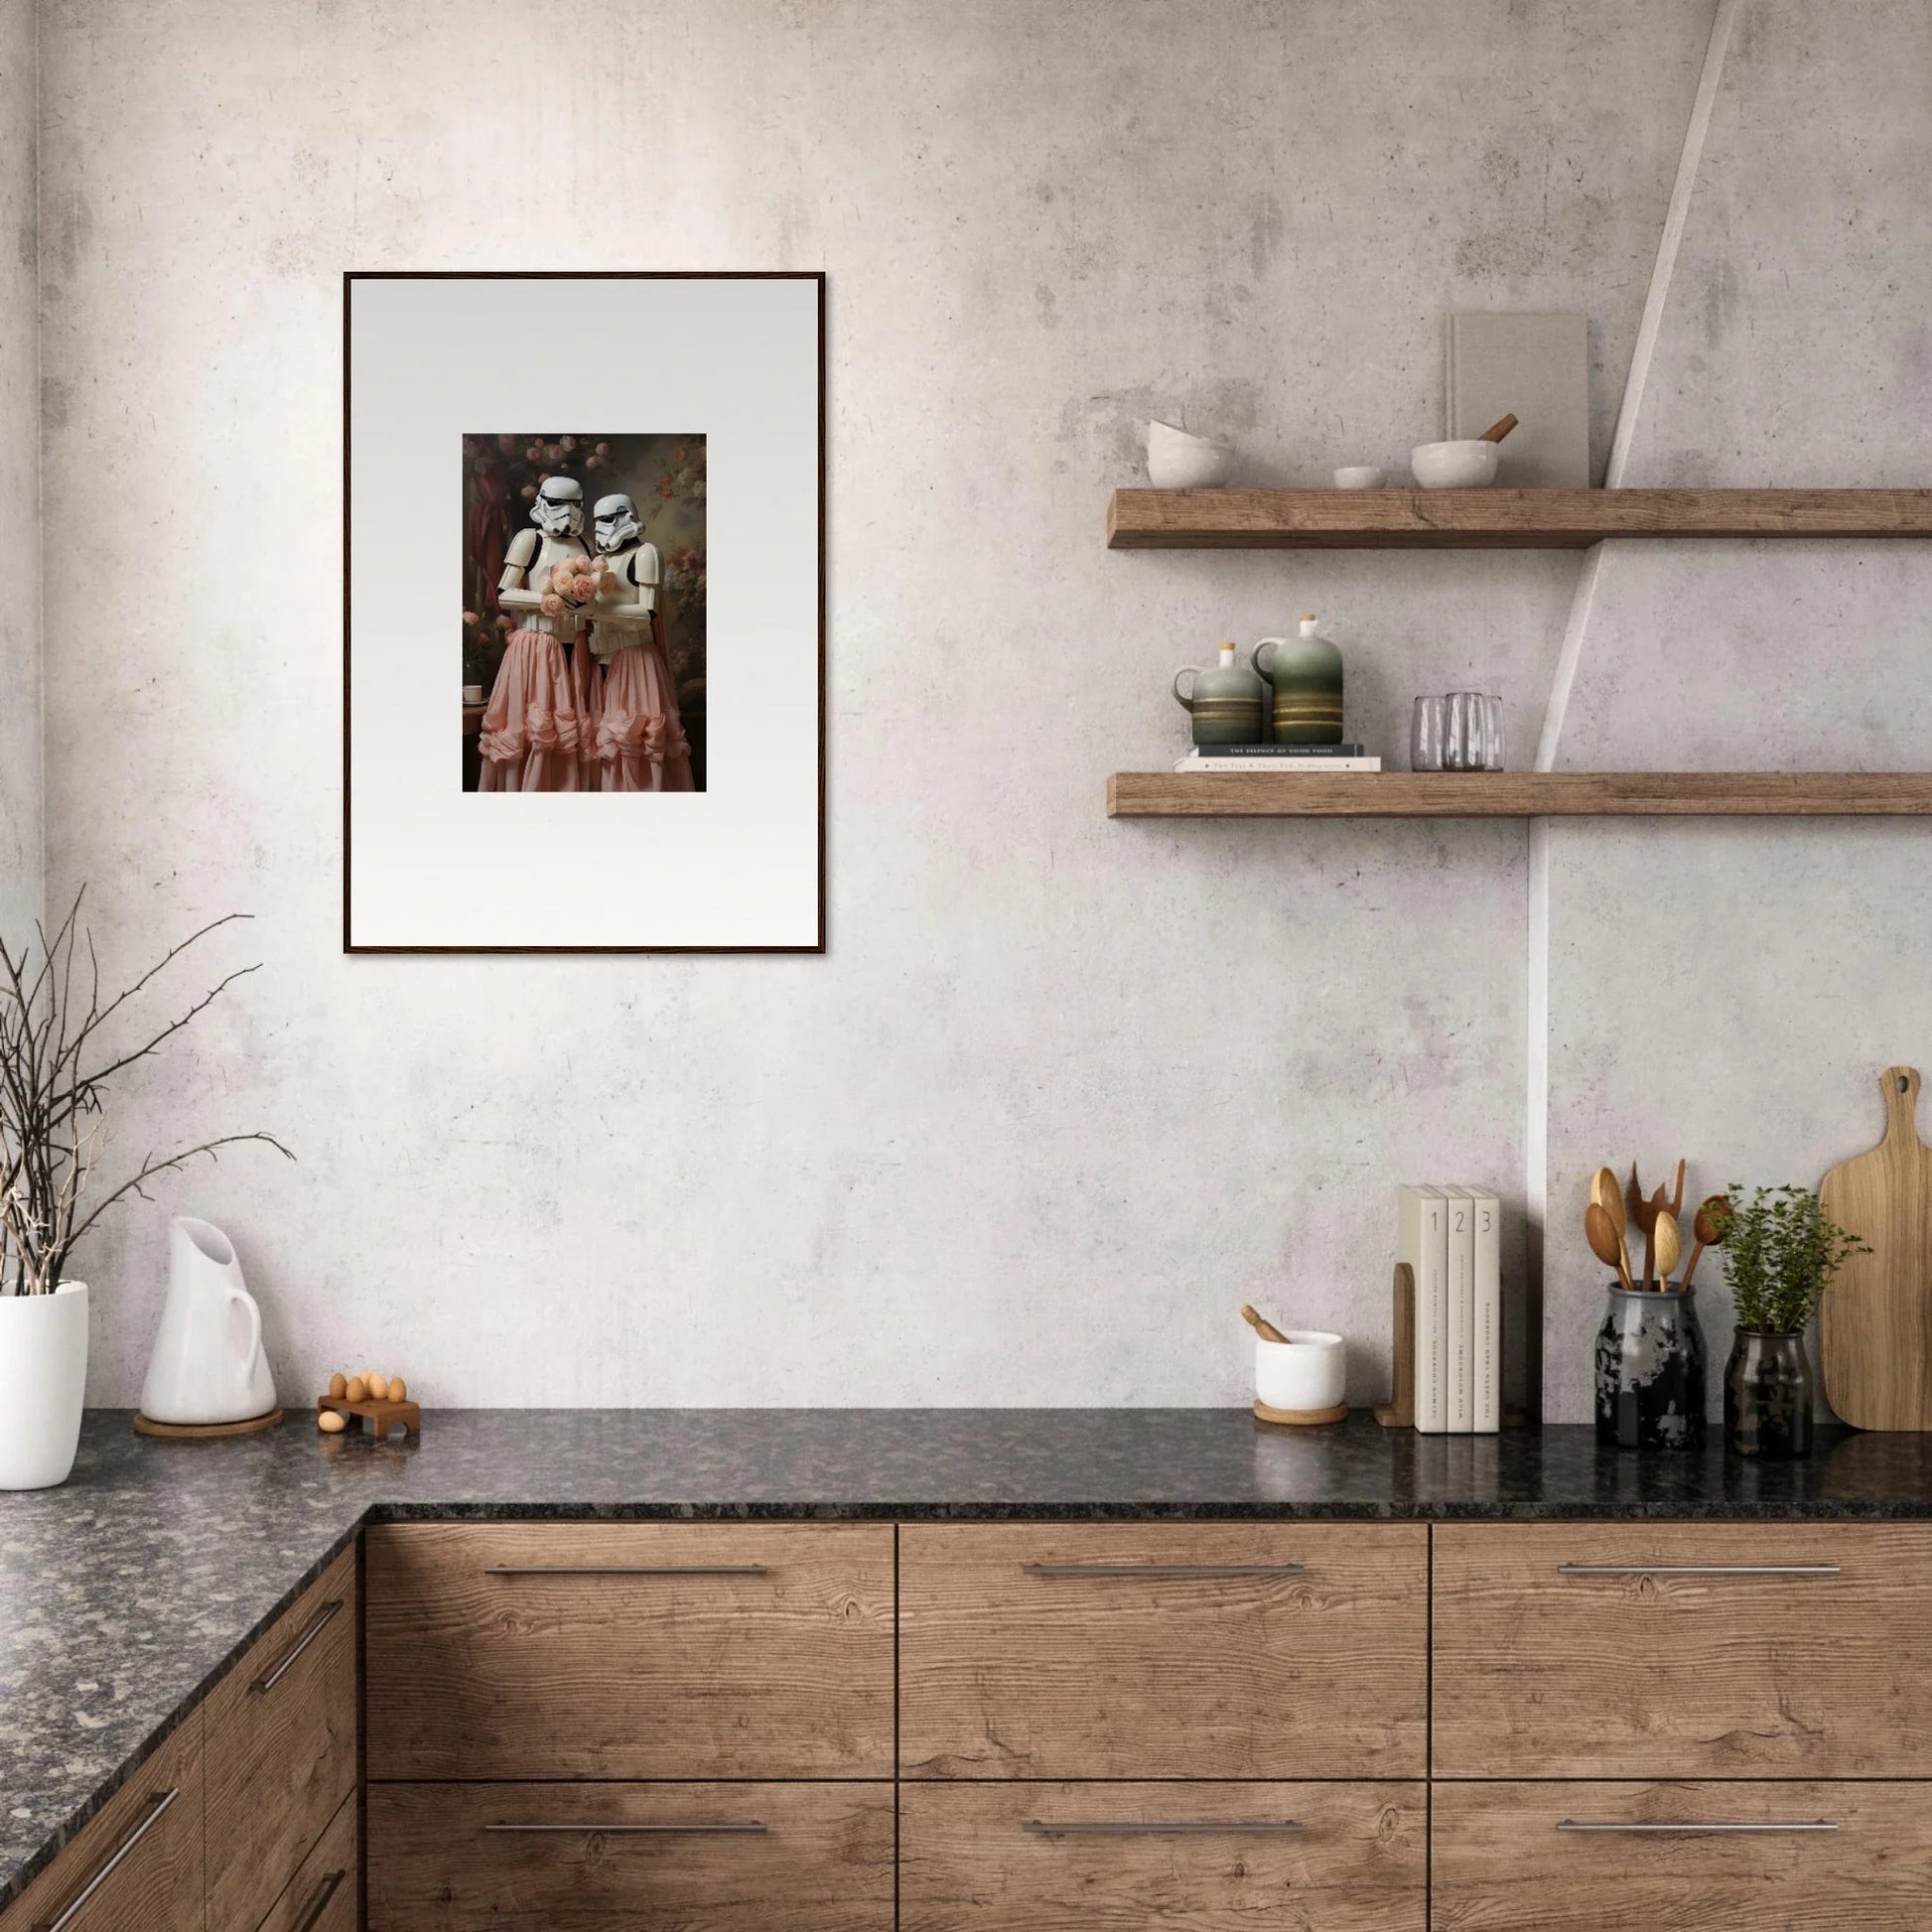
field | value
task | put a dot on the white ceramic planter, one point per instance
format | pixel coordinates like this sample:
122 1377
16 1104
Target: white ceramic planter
43 1381
1308 1372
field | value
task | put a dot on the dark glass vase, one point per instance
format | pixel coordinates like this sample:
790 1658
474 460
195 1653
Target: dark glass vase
1650 1370
1768 1396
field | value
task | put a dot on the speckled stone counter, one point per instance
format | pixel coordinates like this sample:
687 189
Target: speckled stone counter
127 1593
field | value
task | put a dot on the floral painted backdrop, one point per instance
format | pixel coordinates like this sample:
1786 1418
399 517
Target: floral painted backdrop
666 475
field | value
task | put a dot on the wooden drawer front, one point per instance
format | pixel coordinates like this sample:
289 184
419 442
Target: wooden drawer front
703 1857
1221 1650
136 1864
1503 1860
1694 1667
322 1897
650 1650
281 1750
975 1859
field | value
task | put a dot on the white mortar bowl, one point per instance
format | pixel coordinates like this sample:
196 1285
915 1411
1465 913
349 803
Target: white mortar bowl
1310 1370
1454 466
1358 475
1177 460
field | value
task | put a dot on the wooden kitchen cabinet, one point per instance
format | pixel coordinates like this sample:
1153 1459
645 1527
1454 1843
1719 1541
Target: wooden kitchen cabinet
325 1892
1694 1856
136 1864
1214 1650
1195 1856
630 1651
598 1857
1683 1650
281 1750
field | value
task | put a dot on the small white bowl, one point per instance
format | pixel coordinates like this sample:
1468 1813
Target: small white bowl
1358 475
1308 1371
1177 459
1454 466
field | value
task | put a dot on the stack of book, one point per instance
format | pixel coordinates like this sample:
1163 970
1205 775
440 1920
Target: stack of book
1278 758
1450 1237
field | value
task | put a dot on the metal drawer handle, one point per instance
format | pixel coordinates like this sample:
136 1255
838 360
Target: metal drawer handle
749 1827
1814 1825
1163 1570
320 1903
1699 1569
301 1645
627 1569
158 1802
1240 1828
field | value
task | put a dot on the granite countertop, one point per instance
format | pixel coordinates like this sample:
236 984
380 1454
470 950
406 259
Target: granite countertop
129 1590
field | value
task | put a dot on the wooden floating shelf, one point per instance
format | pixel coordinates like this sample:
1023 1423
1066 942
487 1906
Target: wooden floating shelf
1520 795
1497 520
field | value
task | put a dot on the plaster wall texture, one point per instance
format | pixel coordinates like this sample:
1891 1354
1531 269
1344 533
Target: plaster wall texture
21 795
1732 992
1064 1092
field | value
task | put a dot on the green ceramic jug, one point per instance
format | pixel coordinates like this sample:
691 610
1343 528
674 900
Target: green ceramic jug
1225 702
1305 672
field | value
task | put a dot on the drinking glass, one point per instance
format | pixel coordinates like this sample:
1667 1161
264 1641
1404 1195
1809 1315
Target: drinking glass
1492 733
1464 731
1425 732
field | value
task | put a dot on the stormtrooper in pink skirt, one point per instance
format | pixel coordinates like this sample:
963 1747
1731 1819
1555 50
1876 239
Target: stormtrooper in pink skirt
641 742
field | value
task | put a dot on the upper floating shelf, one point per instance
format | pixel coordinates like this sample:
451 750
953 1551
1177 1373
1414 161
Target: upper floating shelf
1497 520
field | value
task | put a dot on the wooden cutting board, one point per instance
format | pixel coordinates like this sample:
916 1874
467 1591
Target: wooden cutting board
1875 1326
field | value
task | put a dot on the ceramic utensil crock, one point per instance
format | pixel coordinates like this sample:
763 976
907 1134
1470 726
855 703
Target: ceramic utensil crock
1650 1365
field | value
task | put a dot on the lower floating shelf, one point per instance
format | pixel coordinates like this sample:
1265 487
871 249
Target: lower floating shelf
1520 795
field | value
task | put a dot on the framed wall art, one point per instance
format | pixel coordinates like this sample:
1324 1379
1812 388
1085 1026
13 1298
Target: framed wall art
584 629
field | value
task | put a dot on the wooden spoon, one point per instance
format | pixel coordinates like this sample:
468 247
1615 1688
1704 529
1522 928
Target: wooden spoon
1669 1239
1604 1192
1606 1243
1708 1228
1640 1206
1677 1198
1655 1211
1497 430
1259 1323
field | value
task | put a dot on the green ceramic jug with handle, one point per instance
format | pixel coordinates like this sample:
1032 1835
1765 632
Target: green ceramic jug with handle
1305 673
1226 702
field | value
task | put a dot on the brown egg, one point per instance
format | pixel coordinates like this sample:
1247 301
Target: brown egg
332 1421
378 1386
357 1390
337 1383
398 1389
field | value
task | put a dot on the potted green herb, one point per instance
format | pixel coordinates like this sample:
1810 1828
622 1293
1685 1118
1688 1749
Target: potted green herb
1780 1254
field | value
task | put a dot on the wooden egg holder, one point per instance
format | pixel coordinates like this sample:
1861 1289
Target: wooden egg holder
376 1418
1400 1411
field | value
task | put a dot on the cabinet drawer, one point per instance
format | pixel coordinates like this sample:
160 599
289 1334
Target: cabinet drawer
1219 1650
1510 1857
281 1750
1199 1858
136 1864
650 1650
1683 1650
322 1897
704 1857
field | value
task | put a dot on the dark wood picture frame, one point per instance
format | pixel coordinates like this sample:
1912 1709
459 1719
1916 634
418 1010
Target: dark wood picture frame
349 278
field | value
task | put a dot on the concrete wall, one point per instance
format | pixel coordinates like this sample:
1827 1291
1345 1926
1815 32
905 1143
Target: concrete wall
20 640
1064 1091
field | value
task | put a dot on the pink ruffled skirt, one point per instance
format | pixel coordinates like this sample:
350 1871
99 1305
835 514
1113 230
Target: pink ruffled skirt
640 740
587 678
530 738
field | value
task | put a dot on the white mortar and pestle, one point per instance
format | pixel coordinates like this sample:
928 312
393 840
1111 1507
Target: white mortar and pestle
1466 463
1300 1374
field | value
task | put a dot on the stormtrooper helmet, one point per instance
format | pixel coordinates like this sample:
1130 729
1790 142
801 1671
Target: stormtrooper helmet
616 522
559 508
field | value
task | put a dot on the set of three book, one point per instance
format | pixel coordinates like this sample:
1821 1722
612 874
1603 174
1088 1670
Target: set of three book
1451 1237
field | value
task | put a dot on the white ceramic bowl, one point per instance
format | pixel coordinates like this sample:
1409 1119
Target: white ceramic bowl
1358 475
1454 466
1177 460
1310 1370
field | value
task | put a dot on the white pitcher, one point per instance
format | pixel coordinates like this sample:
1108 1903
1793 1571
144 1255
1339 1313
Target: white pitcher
208 1363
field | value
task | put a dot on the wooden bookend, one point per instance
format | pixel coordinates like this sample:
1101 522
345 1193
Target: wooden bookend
1400 1410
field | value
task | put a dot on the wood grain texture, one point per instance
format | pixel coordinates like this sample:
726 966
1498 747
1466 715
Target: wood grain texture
280 1761
1519 794
158 1886
1538 1674
1500 1864
787 1674
1006 1674
1497 520
823 1865
968 1864
1874 1325
324 1894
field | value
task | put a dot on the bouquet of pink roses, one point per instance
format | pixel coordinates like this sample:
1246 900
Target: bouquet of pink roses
573 580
